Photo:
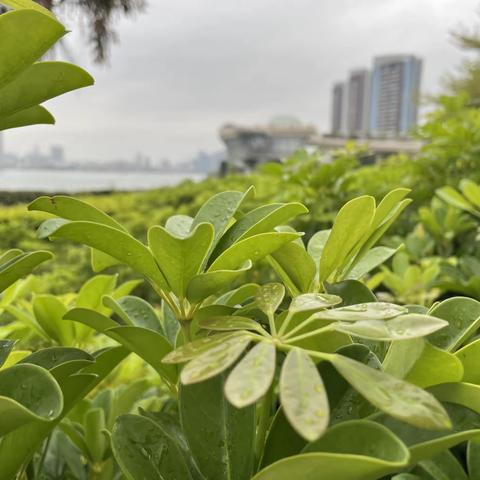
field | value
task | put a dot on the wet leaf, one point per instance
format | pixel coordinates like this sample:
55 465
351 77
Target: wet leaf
350 450
252 376
191 350
180 258
463 316
399 399
363 311
303 396
351 222
226 323
144 450
252 248
221 437
269 298
312 302
214 361
403 327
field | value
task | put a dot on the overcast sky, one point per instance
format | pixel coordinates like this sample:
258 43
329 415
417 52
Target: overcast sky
185 67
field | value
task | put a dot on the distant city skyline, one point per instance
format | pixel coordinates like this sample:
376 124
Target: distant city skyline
183 69
381 102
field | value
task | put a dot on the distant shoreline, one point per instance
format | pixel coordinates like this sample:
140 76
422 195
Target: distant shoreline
51 181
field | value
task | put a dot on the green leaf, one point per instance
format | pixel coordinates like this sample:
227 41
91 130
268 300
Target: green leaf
21 266
351 222
27 4
465 394
463 316
135 311
180 259
95 320
313 302
226 323
269 298
426 443
6 346
351 450
282 440
109 240
18 447
52 357
435 366
399 399
316 245
191 350
260 220
214 361
239 295
205 284
144 450
36 115
94 424
73 209
386 214
221 437
92 291
443 466
471 190
179 225
220 209
345 402
371 260
26 36
469 355
252 376
49 312
252 248
27 393
148 344
41 82
295 267
363 312
452 197
402 355
402 327
473 459
352 292
303 396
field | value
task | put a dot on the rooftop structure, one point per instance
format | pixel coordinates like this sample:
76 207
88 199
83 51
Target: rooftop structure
247 146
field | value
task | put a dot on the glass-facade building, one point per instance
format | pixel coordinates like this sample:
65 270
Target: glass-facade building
395 87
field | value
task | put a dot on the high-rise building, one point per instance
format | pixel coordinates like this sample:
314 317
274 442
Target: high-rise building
358 99
339 103
395 88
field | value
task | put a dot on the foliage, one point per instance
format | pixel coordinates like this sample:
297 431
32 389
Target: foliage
27 33
332 355
100 16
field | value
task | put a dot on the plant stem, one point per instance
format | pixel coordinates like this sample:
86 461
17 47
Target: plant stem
271 322
285 324
313 333
186 331
42 458
301 326
263 422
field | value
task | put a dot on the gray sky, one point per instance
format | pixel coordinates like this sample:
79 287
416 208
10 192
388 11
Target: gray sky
185 67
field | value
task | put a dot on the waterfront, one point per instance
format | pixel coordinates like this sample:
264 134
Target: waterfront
71 181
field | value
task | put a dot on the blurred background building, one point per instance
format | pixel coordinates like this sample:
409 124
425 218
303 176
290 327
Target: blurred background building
380 104
248 146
